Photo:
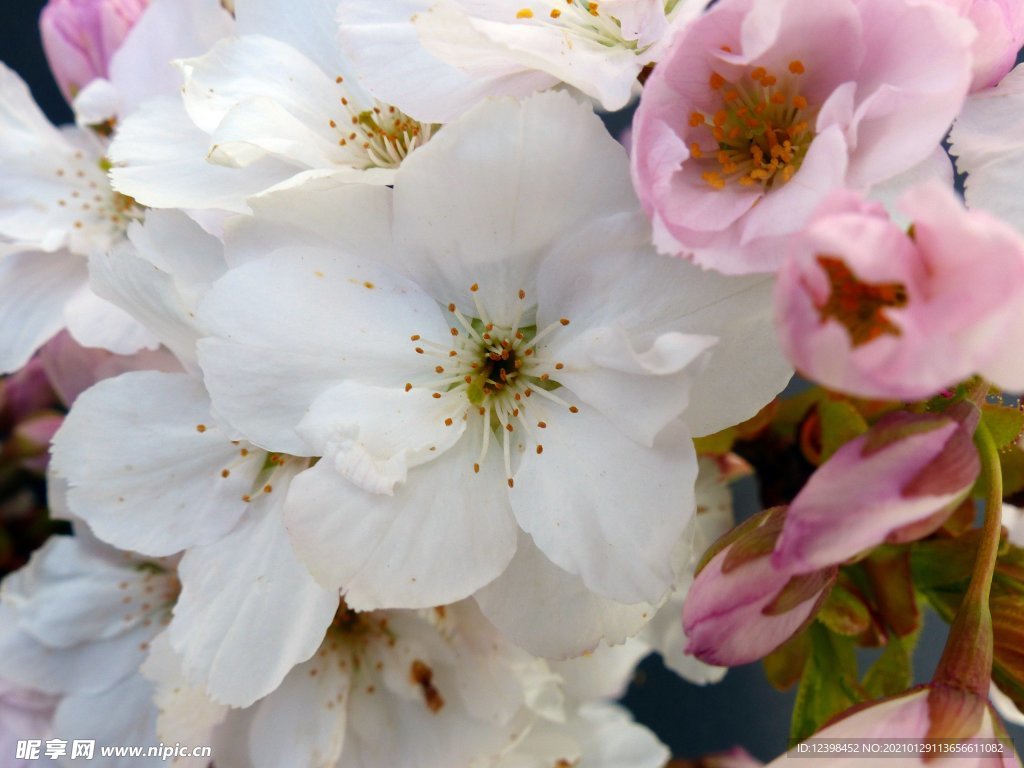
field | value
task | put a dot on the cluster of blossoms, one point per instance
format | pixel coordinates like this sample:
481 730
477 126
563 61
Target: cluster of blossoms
393 406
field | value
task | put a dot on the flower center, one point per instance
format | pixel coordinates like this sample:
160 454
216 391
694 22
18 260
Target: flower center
857 306
97 212
583 18
379 136
761 132
502 371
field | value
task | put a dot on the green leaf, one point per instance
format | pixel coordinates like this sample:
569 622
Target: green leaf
944 562
845 613
829 684
892 672
1011 461
840 423
1004 424
785 665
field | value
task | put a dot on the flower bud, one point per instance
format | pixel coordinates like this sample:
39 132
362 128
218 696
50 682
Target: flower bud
81 36
895 483
741 607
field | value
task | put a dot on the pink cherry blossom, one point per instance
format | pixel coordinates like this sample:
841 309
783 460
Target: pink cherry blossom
1000 25
81 36
865 308
897 482
757 111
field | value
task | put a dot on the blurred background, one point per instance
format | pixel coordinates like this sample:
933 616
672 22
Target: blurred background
744 709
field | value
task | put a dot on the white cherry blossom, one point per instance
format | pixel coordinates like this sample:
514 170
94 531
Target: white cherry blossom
436 58
56 204
275 104
496 362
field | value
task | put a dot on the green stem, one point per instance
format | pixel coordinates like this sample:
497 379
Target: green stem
967 659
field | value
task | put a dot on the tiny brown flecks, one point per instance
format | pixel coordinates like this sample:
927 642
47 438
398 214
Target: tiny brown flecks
200 428
423 676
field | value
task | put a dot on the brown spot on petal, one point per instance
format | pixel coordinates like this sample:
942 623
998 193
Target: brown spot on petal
423 676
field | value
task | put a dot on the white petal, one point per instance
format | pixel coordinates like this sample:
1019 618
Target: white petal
248 610
286 102
160 280
322 213
123 715
95 322
312 31
310 707
393 65
533 586
610 739
168 30
493 192
294 324
605 508
155 484
160 160
441 536
604 72
602 674
374 435
989 151
628 286
186 715
34 288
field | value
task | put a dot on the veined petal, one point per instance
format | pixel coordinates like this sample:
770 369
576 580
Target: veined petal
160 160
632 293
34 289
605 508
158 483
296 323
393 65
248 610
388 550
484 219
168 30
533 586
311 706
95 322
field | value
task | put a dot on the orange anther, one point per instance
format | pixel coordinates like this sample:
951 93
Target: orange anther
796 67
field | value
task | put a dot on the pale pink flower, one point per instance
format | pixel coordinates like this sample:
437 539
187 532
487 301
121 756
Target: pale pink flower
897 482
865 308
1000 25
81 36
755 113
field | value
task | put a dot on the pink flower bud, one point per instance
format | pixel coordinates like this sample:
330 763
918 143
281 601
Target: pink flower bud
896 482
934 715
81 36
741 607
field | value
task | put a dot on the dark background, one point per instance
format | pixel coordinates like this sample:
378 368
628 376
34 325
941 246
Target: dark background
692 720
